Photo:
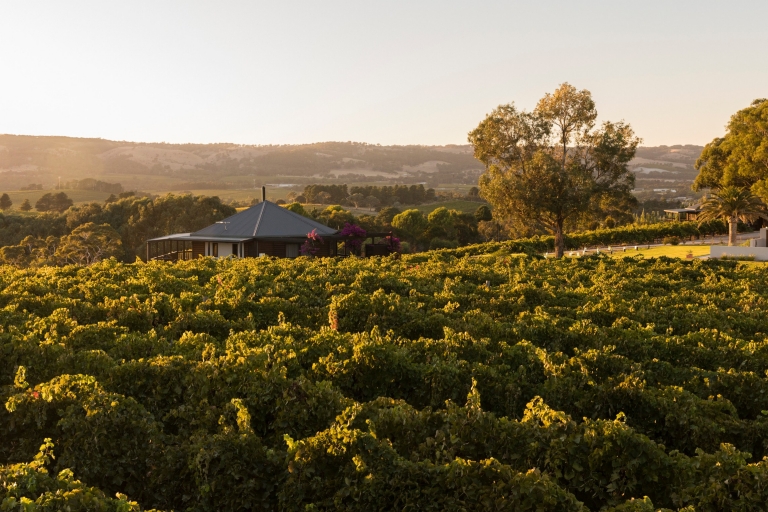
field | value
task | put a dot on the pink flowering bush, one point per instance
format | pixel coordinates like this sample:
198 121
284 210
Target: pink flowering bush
393 243
353 230
312 244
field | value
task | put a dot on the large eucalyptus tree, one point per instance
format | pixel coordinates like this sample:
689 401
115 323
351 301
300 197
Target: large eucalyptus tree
553 164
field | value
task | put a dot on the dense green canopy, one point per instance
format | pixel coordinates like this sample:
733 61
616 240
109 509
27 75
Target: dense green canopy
740 158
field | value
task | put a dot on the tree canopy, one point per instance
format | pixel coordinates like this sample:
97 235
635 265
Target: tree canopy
335 216
297 208
58 202
385 216
410 224
732 204
740 158
553 165
90 243
483 213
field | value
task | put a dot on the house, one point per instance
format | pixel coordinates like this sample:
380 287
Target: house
264 229
683 214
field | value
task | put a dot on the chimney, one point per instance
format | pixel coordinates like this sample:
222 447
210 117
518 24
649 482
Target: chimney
263 194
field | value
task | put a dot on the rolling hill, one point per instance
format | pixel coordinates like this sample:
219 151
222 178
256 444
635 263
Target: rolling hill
161 167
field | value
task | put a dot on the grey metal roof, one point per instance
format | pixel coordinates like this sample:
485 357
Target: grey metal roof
690 209
192 238
265 219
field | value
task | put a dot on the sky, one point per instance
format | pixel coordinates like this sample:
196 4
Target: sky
394 72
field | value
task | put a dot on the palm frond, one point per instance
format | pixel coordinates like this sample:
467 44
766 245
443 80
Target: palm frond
733 203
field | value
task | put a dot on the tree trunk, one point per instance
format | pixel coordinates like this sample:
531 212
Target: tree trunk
732 224
559 240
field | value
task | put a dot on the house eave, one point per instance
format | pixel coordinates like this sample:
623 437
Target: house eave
188 237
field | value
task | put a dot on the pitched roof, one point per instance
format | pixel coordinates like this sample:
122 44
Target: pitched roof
265 219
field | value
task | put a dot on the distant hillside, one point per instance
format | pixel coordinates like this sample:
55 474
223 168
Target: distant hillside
158 167
680 155
665 171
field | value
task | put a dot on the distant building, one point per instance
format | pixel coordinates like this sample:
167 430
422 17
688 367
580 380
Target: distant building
683 214
264 229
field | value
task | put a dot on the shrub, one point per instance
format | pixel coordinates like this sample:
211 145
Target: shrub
748 257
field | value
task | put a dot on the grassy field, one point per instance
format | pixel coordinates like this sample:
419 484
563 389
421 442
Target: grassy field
156 184
670 251
273 194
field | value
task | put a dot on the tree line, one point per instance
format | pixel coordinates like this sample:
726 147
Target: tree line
442 228
370 196
51 201
119 228
93 231
93 184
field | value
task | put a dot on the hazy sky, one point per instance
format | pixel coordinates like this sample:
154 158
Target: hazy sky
415 72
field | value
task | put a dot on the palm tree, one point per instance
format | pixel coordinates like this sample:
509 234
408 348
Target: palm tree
733 204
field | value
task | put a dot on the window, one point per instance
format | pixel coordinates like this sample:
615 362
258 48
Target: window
235 251
215 249
291 250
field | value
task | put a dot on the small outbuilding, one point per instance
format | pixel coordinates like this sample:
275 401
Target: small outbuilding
264 229
683 214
